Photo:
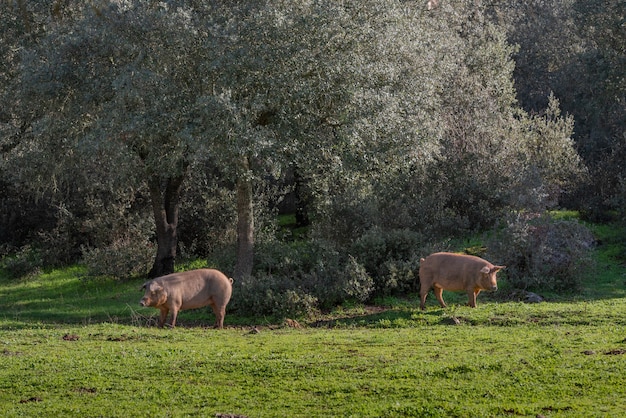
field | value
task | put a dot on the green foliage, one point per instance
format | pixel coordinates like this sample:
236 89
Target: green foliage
349 282
574 49
391 258
542 253
272 295
126 257
550 164
292 279
402 137
208 216
26 261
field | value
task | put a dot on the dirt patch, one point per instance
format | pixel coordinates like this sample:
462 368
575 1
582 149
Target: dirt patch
120 338
292 323
375 309
70 337
86 390
32 399
229 416
616 352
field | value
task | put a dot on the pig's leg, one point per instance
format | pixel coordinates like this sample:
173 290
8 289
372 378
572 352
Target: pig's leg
439 294
219 312
471 294
220 318
174 316
423 293
164 312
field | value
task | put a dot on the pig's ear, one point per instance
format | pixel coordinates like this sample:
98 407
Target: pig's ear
157 287
496 269
143 287
485 270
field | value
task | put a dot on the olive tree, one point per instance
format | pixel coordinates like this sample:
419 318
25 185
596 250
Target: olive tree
380 105
474 150
575 49
37 203
113 80
248 85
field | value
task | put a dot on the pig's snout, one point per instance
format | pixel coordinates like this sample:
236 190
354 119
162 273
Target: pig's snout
143 303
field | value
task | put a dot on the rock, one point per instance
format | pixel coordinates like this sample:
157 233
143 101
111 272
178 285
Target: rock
254 330
531 297
450 320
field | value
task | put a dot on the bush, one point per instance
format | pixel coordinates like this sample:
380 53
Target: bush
339 281
127 256
391 258
208 216
542 253
297 278
266 294
28 260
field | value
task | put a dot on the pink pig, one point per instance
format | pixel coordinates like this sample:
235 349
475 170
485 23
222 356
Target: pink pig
189 290
449 271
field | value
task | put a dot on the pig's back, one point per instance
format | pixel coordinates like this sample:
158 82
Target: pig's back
196 288
452 265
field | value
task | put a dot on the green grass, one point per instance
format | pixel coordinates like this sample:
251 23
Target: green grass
115 370
76 347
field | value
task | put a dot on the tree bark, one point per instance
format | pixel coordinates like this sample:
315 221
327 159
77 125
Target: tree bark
245 222
165 197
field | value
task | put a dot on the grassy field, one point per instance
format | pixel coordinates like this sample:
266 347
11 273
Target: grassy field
76 347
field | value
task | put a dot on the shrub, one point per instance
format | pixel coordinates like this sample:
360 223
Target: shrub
60 245
28 260
297 278
542 253
266 294
125 257
339 281
402 275
391 258
208 215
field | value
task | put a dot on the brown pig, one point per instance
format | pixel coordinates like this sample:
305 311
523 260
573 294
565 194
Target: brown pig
456 272
189 290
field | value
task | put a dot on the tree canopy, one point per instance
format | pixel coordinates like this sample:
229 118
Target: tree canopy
125 117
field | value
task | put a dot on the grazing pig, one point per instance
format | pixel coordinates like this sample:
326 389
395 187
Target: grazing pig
189 290
456 272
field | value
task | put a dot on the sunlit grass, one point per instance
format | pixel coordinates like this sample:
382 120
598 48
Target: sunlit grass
71 346
119 370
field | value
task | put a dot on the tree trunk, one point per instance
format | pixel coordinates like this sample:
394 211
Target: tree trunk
245 222
165 196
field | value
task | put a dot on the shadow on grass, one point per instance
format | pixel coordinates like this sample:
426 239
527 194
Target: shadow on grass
64 297
67 298
381 317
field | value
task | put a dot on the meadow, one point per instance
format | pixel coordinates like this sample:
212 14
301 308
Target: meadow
71 346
